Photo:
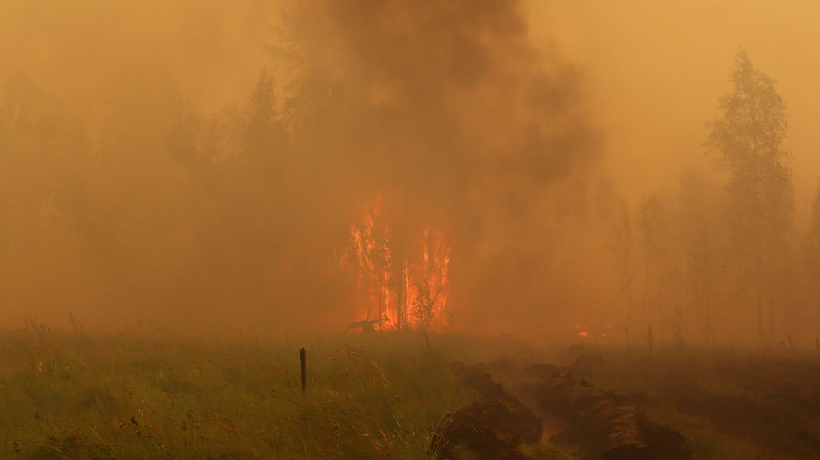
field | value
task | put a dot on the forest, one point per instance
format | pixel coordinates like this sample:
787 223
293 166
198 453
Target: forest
580 230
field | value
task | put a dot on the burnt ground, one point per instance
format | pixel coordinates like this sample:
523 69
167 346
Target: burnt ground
766 403
493 427
601 424
610 403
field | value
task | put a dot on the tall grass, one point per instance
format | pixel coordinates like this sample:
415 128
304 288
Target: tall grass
129 397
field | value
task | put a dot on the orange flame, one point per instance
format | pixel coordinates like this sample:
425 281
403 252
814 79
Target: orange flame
407 291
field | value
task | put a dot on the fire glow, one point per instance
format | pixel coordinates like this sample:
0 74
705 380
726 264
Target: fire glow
402 279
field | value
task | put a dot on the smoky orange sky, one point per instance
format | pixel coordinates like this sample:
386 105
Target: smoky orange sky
630 84
655 70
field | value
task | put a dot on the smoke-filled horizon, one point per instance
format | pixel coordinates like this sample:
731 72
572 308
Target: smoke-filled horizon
267 167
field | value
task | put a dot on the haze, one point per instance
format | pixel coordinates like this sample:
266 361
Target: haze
263 167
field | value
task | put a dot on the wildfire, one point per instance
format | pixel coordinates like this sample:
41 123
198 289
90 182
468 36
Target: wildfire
589 334
402 279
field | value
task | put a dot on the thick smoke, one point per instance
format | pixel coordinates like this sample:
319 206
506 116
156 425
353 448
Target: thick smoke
451 114
139 199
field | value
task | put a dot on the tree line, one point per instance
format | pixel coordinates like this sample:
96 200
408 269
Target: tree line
719 262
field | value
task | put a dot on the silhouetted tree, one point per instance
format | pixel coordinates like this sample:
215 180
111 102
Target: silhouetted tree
622 245
747 141
653 227
698 223
810 265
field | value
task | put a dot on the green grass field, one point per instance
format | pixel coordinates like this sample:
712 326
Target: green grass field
116 396
121 397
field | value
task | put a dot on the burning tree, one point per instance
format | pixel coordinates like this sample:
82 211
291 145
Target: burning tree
401 269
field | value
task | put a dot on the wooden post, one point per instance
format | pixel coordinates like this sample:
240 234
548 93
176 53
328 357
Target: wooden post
303 359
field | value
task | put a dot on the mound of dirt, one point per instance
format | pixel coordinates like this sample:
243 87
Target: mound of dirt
608 426
490 428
